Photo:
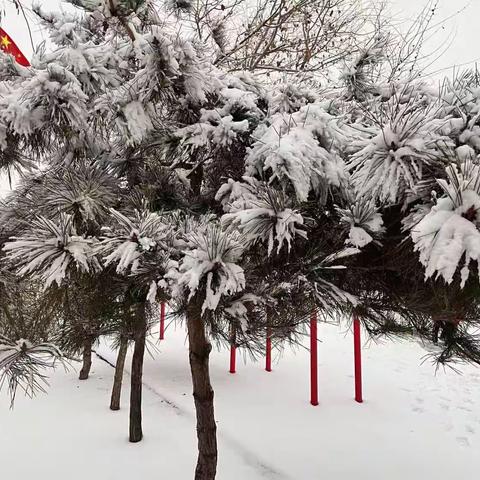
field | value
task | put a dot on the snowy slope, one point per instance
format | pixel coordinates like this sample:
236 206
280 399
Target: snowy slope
414 424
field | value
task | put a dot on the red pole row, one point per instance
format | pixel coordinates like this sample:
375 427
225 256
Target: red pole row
268 356
314 358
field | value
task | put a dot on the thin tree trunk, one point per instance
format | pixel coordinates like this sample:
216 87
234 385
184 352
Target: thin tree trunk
200 349
117 379
136 433
87 359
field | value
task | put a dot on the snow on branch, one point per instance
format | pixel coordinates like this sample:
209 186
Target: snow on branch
300 150
52 96
22 365
261 213
364 221
408 142
449 232
211 263
129 239
48 249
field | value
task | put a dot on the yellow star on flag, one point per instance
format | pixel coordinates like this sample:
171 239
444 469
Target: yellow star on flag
5 41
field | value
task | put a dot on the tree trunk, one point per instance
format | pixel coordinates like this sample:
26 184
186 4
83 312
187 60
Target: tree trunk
87 359
117 379
199 349
136 433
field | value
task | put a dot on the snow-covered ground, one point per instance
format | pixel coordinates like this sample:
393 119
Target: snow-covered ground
414 424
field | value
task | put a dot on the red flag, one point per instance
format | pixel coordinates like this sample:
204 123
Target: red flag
8 46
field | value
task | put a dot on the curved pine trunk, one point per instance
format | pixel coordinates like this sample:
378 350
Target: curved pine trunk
199 353
136 433
87 359
117 379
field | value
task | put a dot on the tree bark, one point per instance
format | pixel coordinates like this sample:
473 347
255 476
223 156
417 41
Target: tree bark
87 359
199 353
117 379
136 433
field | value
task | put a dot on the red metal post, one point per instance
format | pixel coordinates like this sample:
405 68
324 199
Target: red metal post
313 359
233 351
268 356
357 359
233 358
162 320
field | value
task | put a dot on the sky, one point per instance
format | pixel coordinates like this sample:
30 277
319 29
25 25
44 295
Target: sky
457 32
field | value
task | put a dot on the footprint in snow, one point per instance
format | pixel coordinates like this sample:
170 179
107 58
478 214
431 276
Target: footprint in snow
469 429
418 409
463 441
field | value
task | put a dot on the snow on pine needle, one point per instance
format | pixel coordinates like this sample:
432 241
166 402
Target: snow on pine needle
299 150
136 107
82 190
328 294
407 143
223 125
50 98
261 214
129 239
363 220
289 98
212 261
22 364
92 62
357 74
449 232
461 98
48 249
239 309
214 129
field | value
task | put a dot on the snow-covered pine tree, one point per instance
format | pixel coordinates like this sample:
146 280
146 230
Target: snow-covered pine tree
414 161
28 333
124 94
56 213
443 224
